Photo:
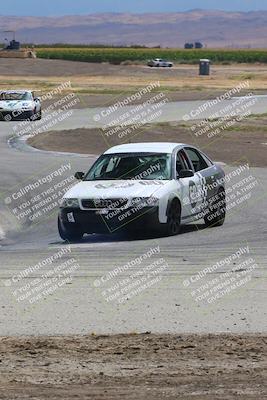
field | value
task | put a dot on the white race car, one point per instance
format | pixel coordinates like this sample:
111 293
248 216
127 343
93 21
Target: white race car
159 62
19 105
144 186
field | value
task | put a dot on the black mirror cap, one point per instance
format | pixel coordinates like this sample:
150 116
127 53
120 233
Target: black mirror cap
186 173
79 175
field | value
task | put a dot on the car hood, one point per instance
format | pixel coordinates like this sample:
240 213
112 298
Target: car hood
117 189
14 104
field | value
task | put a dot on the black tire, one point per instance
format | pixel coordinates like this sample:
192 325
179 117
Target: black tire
69 234
173 225
36 115
216 214
39 115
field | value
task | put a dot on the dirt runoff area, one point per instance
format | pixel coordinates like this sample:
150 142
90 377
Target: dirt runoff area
134 367
46 74
248 138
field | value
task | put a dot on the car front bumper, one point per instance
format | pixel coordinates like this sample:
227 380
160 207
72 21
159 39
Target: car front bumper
91 221
8 115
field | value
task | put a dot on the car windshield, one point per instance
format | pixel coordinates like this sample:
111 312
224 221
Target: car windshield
139 166
15 96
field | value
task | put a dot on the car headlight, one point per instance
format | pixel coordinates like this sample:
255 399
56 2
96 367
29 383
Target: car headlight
69 203
145 202
26 107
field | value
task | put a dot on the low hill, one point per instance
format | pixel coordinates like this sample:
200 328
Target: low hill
214 28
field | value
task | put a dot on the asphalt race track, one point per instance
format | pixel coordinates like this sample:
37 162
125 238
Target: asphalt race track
170 305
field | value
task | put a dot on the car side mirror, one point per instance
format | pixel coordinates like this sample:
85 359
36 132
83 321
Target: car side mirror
186 173
79 175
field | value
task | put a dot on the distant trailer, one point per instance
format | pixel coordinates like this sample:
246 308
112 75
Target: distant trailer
13 45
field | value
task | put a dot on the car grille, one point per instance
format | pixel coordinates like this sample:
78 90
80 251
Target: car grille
111 204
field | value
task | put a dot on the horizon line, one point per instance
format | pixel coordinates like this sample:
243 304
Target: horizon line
133 13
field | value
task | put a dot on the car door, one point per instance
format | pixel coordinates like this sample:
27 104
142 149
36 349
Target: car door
204 171
187 187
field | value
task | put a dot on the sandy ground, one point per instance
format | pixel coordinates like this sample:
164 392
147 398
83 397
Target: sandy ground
143 366
46 74
246 141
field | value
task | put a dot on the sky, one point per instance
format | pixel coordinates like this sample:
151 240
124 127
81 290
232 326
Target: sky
70 7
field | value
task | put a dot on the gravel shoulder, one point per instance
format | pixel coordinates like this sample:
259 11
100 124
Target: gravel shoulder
144 366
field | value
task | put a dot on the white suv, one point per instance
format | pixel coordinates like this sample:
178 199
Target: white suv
144 186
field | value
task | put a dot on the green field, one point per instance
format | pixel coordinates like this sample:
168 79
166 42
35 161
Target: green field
118 55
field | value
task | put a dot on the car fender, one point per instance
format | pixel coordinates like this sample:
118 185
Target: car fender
166 200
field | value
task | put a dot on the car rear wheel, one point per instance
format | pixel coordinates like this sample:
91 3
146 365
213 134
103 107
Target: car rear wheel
71 234
217 212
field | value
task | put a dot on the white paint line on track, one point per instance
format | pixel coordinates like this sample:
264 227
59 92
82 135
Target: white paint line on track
264 96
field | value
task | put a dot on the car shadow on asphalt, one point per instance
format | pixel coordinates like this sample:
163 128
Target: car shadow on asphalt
135 236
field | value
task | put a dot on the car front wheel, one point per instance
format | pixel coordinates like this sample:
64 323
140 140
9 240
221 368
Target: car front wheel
173 224
71 234
39 115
